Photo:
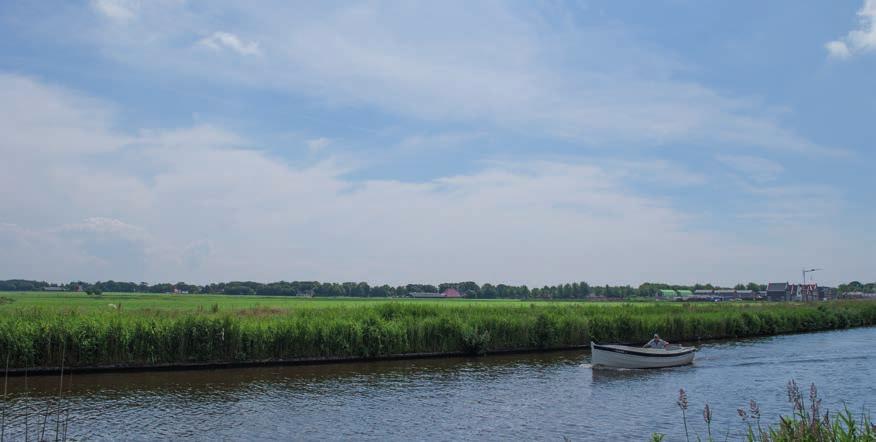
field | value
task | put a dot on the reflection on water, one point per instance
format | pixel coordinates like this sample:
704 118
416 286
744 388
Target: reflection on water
607 375
541 396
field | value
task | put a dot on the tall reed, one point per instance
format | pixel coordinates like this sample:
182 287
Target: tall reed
807 423
15 425
5 404
145 337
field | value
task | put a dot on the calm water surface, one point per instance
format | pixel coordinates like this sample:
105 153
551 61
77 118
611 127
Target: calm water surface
544 396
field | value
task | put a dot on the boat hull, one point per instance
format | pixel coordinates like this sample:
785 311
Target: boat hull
621 356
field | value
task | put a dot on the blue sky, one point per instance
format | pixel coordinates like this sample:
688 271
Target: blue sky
612 142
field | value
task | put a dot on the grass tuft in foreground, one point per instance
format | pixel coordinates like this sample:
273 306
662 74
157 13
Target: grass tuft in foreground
807 423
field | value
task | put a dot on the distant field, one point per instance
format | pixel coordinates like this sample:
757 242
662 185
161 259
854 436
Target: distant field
153 301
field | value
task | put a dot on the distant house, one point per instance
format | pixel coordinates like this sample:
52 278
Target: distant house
826 292
804 292
451 293
704 292
684 293
778 291
425 295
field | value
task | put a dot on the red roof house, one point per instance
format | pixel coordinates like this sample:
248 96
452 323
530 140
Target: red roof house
451 293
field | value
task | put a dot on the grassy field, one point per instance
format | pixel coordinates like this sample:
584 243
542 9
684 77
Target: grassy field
151 301
37 329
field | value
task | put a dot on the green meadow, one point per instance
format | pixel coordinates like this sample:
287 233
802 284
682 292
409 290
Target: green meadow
151 301
43 330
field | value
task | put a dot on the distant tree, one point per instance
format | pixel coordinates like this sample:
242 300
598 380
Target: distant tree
854 286
383 291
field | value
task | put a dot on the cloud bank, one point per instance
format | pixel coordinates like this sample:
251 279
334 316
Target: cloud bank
533 144
525 71
193 204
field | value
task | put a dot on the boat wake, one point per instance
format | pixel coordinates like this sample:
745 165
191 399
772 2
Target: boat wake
798 361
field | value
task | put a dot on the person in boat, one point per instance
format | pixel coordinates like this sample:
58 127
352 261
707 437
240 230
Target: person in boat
656 342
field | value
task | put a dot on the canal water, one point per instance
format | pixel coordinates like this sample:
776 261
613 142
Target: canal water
548 396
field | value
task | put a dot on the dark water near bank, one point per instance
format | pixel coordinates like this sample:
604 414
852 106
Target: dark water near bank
542 396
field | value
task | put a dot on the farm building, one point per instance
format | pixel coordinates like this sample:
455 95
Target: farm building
859 295
827 292
451 293
804 292
447 293
748 295
425 295
778 291
666 293
725 294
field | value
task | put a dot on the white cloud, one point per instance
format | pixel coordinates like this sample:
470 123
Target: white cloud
36 118
838 49
788 204
192 205
504 68
100 225
226 40
858 40
119 10
318 144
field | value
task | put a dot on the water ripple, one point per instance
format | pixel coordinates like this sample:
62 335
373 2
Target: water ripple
540 397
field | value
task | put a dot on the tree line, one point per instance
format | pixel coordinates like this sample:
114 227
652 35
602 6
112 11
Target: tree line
470 289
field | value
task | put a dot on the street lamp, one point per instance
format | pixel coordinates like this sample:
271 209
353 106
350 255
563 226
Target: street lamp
805 271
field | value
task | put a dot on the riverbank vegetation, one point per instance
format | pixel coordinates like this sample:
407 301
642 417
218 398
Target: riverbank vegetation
127 330
808 422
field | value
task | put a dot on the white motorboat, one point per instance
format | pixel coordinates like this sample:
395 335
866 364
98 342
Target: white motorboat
622 356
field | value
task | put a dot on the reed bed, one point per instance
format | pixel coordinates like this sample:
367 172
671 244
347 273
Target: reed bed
44 337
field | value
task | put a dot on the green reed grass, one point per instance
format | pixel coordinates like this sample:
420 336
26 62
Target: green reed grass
34 336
